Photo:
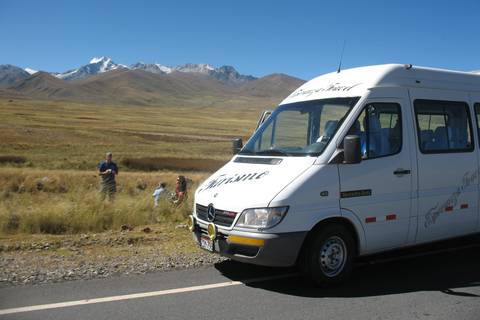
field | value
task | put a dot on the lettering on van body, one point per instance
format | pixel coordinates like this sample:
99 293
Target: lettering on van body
223 179
435 212
330 88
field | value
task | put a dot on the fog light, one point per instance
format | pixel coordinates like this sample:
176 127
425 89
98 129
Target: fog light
191 223
212 231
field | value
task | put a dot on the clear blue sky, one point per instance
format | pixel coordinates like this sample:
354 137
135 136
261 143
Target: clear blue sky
299 38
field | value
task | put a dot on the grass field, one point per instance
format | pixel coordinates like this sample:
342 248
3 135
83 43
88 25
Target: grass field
50 153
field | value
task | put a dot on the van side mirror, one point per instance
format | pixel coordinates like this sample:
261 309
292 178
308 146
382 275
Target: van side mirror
237 145
352 149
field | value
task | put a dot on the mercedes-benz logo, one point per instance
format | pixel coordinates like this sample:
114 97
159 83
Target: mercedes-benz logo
210 212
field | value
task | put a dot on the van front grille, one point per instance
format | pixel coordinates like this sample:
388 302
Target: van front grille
222 217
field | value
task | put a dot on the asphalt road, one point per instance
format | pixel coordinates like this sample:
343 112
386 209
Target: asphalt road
444 284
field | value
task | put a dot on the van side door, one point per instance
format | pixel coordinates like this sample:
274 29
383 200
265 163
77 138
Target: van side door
447 165
378 190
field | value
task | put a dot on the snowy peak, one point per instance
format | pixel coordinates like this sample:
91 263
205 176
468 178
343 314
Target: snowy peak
96 66
30 71
188 68
193 68
96 60
105 64
149 67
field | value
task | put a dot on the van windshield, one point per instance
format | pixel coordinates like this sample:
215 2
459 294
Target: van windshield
300 129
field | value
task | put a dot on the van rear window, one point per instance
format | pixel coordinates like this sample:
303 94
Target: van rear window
443 126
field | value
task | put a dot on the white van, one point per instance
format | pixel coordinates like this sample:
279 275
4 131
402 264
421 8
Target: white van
352 163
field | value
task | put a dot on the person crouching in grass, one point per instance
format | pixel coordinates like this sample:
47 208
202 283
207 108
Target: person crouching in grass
181 190
161 193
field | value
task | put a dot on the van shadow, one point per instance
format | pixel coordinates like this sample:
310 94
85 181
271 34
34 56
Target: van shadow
448 272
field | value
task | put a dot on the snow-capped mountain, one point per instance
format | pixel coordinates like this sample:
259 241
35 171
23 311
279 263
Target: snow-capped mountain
96 66
100 65
226 74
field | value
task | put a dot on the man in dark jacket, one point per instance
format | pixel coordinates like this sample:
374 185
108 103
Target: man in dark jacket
108 170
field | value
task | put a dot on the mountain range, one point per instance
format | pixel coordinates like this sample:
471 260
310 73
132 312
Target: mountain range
104 82
101 65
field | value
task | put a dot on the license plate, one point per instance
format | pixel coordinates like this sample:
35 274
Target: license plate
206 244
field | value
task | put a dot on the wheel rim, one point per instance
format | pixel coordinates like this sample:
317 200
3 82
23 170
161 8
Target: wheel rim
333 256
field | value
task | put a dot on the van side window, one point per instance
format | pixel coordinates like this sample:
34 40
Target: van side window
443 126
477 114
379 127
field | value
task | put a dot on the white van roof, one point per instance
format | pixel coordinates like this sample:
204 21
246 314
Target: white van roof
354 82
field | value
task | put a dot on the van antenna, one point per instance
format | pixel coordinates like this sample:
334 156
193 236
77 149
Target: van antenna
341 58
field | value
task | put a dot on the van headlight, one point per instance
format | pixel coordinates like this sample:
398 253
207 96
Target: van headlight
262 218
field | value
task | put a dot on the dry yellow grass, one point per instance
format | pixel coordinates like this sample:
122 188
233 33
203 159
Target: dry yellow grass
59 202
54 189
66 136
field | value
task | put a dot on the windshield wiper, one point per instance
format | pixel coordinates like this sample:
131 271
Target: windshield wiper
247 151
273 151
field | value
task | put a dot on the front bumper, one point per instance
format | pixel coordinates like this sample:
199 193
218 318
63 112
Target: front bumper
267 249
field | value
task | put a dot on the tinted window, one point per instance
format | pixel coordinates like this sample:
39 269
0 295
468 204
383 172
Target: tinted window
443 126
380 129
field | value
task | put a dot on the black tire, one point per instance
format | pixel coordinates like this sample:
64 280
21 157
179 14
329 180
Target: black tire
327 256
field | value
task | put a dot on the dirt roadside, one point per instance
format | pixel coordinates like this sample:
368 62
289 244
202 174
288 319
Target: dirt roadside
34 259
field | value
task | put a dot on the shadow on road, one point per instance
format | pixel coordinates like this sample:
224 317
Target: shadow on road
453 266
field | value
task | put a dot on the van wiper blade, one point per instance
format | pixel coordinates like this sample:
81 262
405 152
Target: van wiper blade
273 151
247 151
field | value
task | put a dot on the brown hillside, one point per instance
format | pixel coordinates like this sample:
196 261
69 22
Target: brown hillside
137 87
9 94
272 85
43 85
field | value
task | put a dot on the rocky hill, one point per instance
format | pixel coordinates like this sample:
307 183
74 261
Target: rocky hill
9 74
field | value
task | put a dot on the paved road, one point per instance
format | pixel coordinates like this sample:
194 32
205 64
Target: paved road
442 285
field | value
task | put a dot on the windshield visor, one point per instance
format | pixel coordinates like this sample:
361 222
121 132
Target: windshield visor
300 129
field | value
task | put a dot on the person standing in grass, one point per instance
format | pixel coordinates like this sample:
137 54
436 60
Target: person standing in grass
108 170
161 192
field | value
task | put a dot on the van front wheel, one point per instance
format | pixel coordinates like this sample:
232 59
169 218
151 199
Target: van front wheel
327 256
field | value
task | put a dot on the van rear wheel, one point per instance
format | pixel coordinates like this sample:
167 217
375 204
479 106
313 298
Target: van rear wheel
328 255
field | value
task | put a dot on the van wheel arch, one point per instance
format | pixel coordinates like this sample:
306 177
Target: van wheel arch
328 252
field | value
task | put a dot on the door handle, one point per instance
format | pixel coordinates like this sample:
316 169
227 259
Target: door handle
400 172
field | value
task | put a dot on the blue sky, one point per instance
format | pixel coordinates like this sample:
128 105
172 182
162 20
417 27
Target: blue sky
302 39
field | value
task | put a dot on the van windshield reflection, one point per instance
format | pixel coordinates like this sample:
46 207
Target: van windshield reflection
300 129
